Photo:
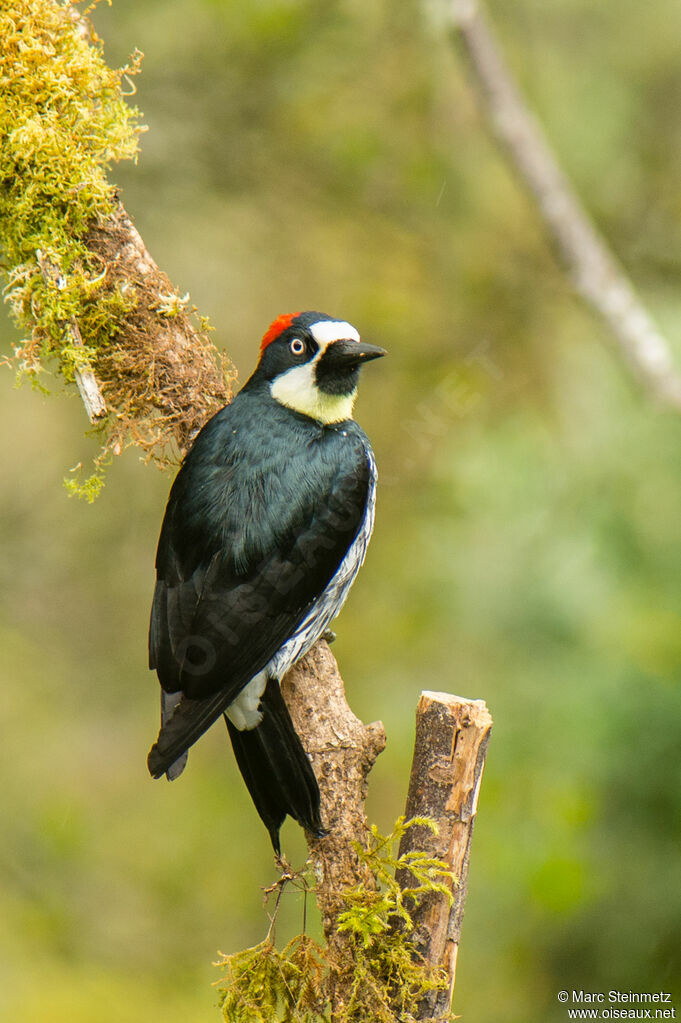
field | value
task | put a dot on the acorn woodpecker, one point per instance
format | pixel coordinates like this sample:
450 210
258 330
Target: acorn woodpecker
266 527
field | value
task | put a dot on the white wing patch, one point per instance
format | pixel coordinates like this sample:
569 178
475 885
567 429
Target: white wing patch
244 712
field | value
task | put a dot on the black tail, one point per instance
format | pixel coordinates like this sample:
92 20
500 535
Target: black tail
276 768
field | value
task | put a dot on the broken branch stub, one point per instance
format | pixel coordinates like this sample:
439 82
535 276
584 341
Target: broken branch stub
452 735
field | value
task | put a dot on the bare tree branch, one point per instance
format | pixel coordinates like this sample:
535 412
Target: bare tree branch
88 388
343 751
596 274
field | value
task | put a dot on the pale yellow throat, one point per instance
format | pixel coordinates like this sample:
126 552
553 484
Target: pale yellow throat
296 389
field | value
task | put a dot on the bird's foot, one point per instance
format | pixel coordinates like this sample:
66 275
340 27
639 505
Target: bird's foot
329 635
287 872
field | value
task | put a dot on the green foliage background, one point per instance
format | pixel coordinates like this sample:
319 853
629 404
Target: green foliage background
528 539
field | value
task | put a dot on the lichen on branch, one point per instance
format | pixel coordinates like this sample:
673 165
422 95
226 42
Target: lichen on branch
64 120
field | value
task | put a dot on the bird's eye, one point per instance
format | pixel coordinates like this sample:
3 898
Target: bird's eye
297 347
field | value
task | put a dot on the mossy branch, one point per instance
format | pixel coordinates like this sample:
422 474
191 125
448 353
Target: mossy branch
92 305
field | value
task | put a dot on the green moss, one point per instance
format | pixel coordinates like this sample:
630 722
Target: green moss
90 487
63 121
263 984
380 966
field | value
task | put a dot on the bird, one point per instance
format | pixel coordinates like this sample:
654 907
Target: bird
266 527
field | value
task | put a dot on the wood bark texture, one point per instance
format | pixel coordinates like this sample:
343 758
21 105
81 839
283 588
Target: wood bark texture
342 751
162 359
451 741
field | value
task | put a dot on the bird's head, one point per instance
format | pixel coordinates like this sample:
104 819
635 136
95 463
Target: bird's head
311 362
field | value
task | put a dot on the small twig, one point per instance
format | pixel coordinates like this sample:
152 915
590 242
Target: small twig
92 398
452 735
596 274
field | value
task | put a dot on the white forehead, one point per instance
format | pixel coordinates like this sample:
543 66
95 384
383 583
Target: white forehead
326 331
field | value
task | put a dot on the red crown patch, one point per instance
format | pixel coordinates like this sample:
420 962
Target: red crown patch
276 328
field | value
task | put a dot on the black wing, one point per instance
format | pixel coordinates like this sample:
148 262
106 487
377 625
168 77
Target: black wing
244 552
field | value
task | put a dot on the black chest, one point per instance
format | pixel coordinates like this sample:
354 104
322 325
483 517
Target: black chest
259 475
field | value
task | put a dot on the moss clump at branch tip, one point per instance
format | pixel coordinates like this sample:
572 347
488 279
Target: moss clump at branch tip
380 971
63 122
64 238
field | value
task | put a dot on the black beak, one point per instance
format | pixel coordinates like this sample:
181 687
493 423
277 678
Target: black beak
347 354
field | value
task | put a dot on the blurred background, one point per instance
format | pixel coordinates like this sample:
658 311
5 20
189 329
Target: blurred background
528 540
